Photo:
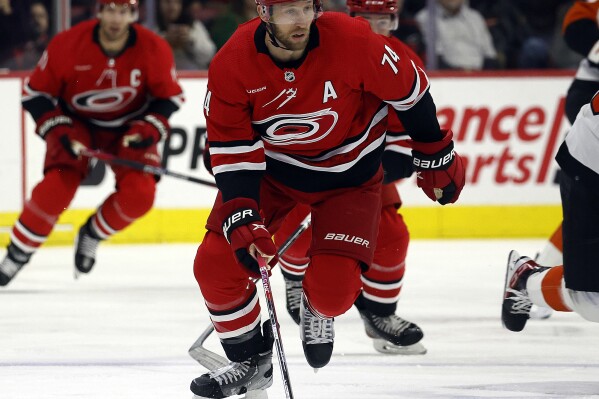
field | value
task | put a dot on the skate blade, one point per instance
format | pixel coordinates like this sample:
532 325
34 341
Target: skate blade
256 394
388 348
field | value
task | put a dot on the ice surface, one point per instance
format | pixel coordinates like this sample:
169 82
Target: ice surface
123 331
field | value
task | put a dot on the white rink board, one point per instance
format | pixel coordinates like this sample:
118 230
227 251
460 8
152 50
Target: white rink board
10 145
514 152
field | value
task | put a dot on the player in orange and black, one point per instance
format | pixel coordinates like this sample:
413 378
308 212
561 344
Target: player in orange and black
581 32
108 84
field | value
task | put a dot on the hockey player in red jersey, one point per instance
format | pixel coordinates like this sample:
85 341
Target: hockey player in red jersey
296 112
573 286
383 281
108 84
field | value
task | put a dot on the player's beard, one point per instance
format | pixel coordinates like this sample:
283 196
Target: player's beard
111 35
286 40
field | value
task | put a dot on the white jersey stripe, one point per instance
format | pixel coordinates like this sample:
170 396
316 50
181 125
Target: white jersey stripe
238 167
381 286
236 150
238 314
379 299
414 97
333 169
240 331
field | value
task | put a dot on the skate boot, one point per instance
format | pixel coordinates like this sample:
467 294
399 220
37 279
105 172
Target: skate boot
515 310
540 312
317 333
392 334
293 297
86 245
250 377
14 260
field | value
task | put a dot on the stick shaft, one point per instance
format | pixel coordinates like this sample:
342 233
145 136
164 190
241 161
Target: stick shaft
272 313
155 170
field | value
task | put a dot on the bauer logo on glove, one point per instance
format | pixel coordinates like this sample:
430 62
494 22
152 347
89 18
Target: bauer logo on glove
434 162
441 173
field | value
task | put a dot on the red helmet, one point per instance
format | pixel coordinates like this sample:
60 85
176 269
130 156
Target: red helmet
130 3
373 6
318 9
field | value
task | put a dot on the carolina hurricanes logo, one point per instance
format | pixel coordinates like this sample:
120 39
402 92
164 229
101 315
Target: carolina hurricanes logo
289 129
106 100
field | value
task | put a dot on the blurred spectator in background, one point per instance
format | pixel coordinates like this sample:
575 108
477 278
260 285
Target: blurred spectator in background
230 15
27 55
541 16
562 55
510 32
190 41
408 30
463 39
82 10
13 27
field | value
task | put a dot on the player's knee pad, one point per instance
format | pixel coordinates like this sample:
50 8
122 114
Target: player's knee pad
136 193
332 283
215 268
56 191
585 303
392 244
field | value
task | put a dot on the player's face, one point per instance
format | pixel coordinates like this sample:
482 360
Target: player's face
291 23
114 21
381 24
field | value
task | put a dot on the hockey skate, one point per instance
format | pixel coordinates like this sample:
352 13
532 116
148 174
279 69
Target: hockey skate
515 309
540 312
250 377
393 335
293 297
317 333
86 245
12 263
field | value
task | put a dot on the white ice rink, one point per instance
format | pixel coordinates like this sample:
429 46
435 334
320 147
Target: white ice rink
123 331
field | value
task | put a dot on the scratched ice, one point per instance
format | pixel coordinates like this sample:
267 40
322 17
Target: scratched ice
123 331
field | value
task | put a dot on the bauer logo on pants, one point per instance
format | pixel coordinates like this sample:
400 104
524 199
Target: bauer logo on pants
347 238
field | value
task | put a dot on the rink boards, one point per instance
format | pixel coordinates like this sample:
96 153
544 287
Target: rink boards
508 127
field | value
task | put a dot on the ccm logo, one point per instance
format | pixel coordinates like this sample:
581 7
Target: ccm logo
347 238
435 163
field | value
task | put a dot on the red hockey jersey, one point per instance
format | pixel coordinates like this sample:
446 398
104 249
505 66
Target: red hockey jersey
104 90
318 125
397 137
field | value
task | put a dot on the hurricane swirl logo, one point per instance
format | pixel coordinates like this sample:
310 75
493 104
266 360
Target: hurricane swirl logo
107 100
290 129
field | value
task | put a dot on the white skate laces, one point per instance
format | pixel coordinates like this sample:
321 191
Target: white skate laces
9 267
88 246
231 373
316 329
521 303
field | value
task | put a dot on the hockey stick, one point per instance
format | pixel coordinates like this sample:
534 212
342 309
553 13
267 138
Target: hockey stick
211 360
270 303
155 170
